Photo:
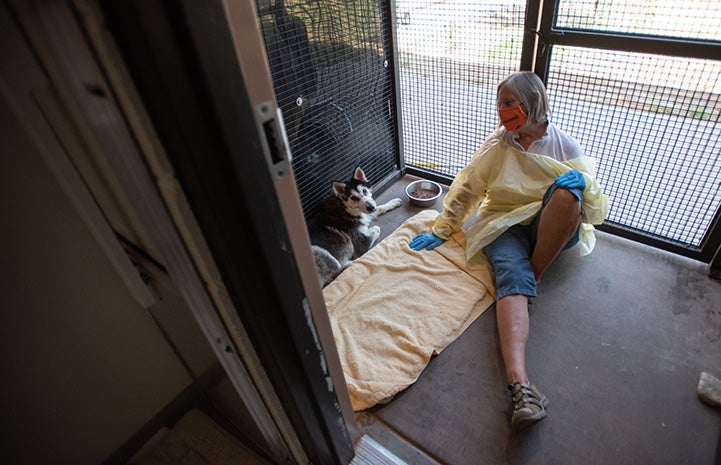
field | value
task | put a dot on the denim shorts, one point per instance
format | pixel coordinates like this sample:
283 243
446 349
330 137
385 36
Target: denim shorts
510 254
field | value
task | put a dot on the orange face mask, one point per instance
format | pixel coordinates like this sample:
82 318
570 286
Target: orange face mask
512 118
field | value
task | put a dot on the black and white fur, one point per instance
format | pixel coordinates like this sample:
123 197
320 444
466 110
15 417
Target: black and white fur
340 231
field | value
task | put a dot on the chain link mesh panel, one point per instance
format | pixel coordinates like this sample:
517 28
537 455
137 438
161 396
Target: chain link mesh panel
652 121
452 55
654 125
329 62
688 19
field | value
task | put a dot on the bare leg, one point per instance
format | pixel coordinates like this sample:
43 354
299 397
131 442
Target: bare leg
559 220
512 320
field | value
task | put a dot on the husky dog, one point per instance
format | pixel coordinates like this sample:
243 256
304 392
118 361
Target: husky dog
340 231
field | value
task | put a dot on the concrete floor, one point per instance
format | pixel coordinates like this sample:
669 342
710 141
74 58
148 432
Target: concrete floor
617 343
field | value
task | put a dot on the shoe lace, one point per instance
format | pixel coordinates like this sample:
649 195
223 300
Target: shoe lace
524 396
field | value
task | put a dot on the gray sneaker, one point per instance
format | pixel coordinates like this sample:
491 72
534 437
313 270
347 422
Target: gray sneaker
529 405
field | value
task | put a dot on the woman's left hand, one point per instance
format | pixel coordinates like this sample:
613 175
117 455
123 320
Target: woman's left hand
571 180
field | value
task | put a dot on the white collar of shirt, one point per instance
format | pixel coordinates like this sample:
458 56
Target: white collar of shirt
512 138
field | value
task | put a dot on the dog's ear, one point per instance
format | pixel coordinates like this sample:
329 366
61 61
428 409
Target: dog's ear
338 188
359 175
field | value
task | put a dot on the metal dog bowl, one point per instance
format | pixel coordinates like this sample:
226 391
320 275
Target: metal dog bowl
423 193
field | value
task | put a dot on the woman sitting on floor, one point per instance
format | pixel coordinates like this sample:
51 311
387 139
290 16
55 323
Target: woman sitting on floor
537 196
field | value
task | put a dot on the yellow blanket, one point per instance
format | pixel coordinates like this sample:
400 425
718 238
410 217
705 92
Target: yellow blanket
393 308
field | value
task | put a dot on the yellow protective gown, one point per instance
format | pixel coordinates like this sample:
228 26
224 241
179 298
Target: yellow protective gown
509 184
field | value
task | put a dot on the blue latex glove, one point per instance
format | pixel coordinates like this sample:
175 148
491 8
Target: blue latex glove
426 241
571 180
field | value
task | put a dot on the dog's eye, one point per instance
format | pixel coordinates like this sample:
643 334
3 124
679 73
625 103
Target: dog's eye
354 198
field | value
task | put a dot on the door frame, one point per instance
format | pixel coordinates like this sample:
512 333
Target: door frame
200 70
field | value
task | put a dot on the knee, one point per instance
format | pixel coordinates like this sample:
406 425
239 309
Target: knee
566 201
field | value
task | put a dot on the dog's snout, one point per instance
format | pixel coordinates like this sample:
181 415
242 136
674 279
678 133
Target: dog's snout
371 207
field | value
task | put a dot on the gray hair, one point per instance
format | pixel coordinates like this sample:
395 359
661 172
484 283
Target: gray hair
531 92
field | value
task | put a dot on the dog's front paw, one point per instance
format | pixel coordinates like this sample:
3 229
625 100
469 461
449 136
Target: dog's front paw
390 205
395 203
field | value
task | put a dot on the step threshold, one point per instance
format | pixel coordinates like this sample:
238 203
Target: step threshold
369 452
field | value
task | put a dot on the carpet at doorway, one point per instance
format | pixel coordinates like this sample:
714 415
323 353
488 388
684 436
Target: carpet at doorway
196 440
394 308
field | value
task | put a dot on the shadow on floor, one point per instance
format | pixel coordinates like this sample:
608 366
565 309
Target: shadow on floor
618 340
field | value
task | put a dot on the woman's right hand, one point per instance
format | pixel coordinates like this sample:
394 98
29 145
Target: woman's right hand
426 241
